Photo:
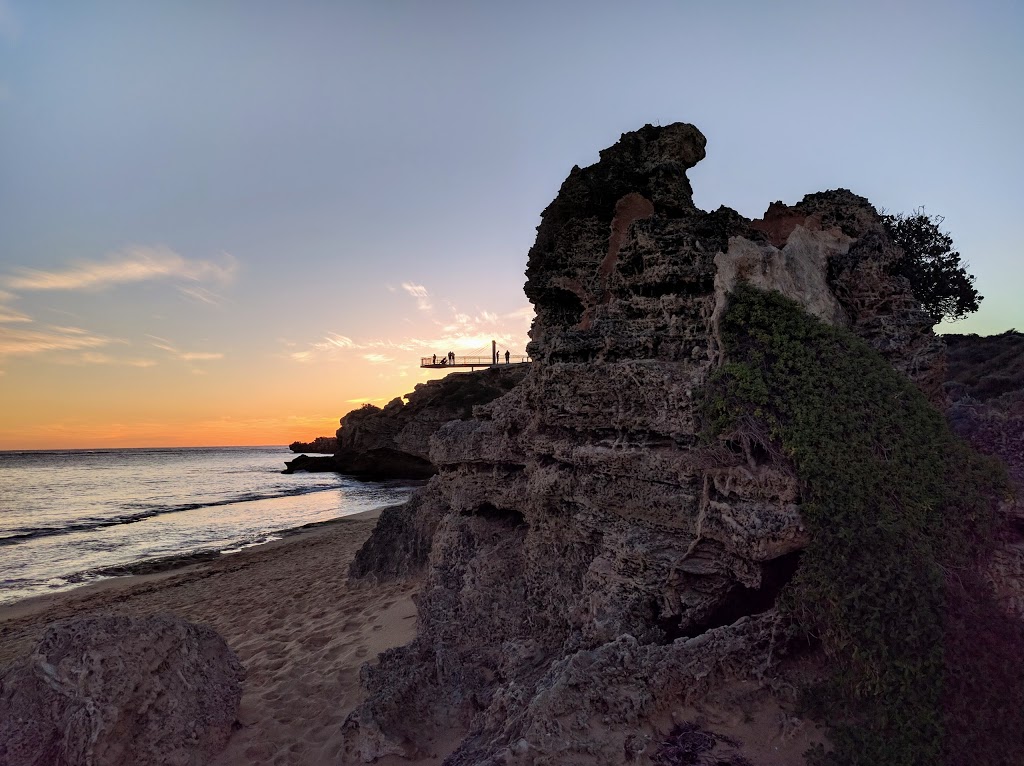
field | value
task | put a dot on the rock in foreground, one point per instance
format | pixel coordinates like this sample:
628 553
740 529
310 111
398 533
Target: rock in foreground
119 691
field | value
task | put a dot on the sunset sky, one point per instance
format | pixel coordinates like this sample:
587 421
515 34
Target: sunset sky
231 222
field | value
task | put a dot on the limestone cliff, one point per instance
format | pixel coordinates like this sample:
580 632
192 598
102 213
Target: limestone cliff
590 568
394 441
321 445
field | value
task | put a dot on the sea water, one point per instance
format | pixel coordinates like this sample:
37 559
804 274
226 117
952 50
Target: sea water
75 516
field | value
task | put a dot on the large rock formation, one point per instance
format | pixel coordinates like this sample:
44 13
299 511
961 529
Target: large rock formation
321 445
590 566
116 691
393 442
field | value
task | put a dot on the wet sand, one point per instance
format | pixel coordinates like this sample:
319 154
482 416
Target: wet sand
286 609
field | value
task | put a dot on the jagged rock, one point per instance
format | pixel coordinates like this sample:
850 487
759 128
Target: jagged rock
587 560
118 691
321 445
393 442
318 464
407 426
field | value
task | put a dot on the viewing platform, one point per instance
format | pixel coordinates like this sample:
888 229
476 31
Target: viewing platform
472 362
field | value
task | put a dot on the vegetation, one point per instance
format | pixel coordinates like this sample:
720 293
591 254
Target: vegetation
986 366
937 276
900 512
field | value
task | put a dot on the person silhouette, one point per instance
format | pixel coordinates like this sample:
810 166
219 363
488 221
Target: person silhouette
435 359
506 356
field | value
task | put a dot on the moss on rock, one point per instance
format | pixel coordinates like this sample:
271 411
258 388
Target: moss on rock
900 513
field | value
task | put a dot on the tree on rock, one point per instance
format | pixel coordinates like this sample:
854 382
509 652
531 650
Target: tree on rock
938 277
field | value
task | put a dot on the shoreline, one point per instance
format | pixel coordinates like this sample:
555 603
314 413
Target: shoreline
285 607
169 564
154 570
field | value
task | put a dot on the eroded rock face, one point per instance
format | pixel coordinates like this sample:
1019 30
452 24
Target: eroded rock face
393 442
322 445
588 562
119 691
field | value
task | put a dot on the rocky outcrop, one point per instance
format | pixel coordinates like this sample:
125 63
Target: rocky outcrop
393 442
590 566
985 386
321 445
114 691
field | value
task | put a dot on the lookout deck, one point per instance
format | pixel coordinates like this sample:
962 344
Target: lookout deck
472 362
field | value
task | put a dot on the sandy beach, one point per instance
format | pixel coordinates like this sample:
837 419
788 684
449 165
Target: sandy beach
286 609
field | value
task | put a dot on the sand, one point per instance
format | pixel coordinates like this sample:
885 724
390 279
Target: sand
300 631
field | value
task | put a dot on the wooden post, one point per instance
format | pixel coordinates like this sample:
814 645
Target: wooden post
494 352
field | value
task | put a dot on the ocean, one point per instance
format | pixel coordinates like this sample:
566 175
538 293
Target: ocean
72 517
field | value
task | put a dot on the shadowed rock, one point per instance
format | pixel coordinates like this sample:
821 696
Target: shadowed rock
393 442
119 691
588 562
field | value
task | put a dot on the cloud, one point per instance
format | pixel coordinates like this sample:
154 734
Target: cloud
136 264
200 356
460 331
333 340
202 295
419 292
10 315
186 356
22 341
94 357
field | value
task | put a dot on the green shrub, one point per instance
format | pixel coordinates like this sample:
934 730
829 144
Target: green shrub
899 512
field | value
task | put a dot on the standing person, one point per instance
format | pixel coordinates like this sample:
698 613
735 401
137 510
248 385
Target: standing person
506 356
435 359
451 357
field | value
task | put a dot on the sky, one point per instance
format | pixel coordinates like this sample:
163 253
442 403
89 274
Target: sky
232 222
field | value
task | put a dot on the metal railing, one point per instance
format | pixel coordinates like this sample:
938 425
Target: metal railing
472 361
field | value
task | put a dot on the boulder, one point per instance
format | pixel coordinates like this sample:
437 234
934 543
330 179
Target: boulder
119 691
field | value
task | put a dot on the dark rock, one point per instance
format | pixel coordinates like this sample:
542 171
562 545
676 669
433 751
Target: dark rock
310 464
118 691
321 445
587 562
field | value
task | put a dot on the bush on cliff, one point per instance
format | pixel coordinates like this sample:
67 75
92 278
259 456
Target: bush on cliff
926 668
937 277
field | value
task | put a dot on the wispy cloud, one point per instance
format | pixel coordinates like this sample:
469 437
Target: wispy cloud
201 295
92 357
136 264
443 330
186 356
21 341
419 292
11 315
100 358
